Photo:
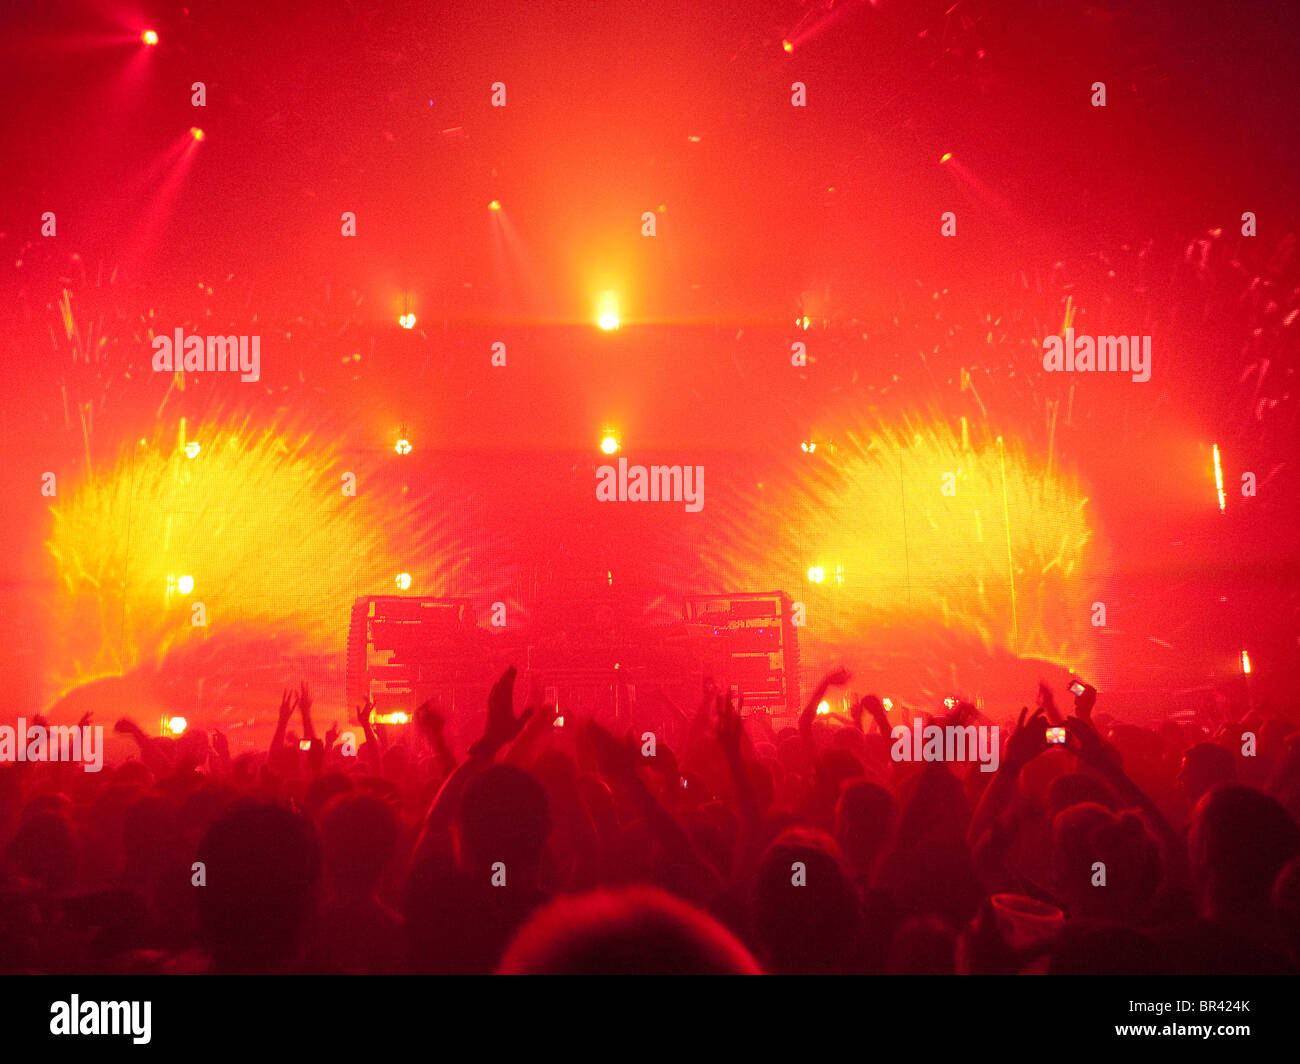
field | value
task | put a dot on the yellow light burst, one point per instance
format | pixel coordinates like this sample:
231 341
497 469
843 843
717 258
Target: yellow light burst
283 550
926 574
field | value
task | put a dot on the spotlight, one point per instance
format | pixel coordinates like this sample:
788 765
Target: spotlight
888 703
197 133
407 321
1218 483
808 447
150 37
823 708
495 205
404 581
609 443
402 446
192 449
816 574
185 584
945 157
177 725
608 318
1245 663
787 47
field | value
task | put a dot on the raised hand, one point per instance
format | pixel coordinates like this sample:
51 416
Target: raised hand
1047 702
428 719
1083 703
1088 745
286 705
304 700
616 760
730 725
875 709
837 677
502 725
1028 740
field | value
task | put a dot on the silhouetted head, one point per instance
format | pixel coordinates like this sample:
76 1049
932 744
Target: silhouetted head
1107 866
1205 765
806 914
358 836
865 820
1239 840
504 817
323 789
1286 906
262 866
641 931
45 849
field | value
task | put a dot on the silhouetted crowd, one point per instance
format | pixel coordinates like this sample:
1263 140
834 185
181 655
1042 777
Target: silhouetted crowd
560 846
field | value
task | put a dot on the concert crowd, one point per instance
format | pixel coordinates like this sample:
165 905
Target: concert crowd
714 844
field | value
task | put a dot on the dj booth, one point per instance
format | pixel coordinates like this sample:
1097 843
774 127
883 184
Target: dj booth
403 650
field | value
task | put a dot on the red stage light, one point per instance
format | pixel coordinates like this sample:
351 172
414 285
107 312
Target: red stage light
149 37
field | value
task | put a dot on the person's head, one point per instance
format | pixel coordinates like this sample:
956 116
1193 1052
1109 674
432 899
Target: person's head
192 749
637 931
358 837
865 820
45 849
261 865
806 910
1205 765
504 817
1073 853
323 789
1286 907
1129 857
1239 840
